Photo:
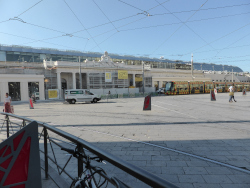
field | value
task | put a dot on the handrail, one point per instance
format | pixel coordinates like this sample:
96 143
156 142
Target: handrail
131 169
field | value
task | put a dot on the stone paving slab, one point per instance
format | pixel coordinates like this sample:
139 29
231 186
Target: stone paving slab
217 130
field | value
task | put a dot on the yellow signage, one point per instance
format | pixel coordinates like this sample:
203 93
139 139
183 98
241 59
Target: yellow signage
122 74
108 77
52 94
138 79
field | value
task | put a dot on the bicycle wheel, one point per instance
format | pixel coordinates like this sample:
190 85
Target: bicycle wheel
76 184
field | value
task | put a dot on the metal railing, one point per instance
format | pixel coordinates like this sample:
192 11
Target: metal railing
144 176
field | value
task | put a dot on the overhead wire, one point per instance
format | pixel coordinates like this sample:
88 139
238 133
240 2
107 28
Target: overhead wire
177 29
41 40
105 15
222 37
160 4
35 39
129 22
202 9
120 27
109 20
186 25
4 21
29 8
131 5
67 34
231 44
82 24
104 40
190 21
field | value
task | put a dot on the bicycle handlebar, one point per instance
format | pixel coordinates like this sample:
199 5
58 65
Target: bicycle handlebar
78 155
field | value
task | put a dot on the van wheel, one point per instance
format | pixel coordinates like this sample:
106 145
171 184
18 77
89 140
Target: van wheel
95 100
73 101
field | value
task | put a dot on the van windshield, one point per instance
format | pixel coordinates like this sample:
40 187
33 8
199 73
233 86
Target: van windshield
88 92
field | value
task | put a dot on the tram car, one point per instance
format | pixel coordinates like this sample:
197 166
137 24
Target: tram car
177 88
196 87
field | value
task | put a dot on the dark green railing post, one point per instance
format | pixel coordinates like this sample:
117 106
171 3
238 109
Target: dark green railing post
80 160
24 123
7 125
46 164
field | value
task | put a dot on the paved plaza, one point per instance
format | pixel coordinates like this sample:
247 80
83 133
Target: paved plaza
187 139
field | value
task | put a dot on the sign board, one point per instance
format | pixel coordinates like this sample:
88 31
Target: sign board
122 74
53 94
108 77
138 79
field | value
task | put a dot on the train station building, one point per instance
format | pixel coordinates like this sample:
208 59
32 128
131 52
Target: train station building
26 70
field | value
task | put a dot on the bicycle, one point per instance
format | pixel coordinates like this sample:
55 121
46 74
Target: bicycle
88 178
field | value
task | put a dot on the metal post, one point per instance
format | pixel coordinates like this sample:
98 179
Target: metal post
24 123
45 153
7 124
143 78
80 160
50 80
192 68
232 75
80 73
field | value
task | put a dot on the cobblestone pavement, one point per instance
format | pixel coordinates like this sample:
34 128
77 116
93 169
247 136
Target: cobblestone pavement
166 141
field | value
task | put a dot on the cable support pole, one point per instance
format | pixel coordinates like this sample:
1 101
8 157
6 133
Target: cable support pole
80 73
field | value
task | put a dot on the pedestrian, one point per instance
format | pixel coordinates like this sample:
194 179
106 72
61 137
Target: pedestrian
7 102
231 93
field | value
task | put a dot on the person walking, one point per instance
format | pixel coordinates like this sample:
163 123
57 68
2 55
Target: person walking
231 93
7 102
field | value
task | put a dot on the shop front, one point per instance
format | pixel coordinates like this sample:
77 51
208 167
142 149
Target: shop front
20 87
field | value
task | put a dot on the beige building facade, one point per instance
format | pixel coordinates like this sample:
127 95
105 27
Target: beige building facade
21 86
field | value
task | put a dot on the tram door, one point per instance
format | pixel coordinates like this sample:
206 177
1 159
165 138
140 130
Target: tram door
14 91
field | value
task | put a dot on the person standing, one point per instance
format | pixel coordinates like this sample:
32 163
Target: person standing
7 102
231 94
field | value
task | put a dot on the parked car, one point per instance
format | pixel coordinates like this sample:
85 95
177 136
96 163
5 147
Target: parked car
161 90
80 95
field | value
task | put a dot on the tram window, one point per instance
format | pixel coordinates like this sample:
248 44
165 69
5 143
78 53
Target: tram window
169 86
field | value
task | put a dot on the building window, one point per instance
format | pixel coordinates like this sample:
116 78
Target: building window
14 91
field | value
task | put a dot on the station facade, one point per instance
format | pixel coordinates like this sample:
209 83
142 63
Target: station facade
25 70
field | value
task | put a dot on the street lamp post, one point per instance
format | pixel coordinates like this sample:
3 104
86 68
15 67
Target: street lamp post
232 75
192 68
80 74
143 77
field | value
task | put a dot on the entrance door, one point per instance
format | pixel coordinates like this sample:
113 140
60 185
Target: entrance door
33 89
14 91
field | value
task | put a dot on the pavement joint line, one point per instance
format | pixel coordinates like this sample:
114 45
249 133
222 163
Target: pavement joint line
177 151
174 111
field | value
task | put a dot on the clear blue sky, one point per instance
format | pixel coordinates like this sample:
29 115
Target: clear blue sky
215 31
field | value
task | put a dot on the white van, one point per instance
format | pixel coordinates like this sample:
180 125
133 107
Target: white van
80 95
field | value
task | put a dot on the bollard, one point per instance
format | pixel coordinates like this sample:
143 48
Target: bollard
244 92
147 103
212 95
31 104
